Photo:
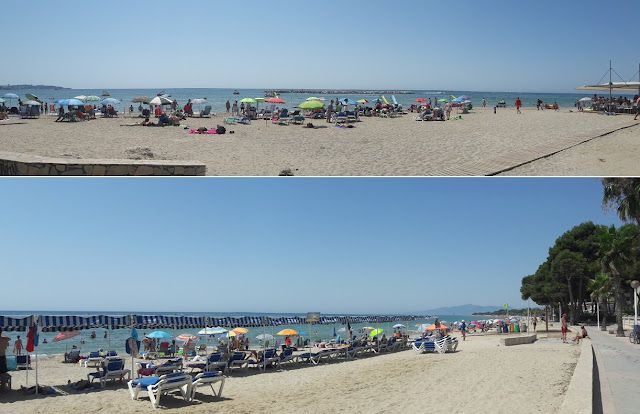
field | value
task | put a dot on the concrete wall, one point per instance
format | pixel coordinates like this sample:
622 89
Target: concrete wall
25 164
519 340
579 396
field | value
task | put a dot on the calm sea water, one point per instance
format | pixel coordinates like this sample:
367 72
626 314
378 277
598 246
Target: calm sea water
116 338
218 97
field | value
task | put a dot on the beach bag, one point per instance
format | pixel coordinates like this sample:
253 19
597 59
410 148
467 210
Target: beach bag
220 130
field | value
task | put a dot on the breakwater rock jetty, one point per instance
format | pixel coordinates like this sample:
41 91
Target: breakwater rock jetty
329 92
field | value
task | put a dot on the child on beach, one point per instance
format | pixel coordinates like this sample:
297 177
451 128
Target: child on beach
564 328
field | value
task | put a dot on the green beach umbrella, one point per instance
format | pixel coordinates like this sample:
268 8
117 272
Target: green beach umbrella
92 98
311 105
313 98
442 100
258 100
158 100
376 332
248 100
32 97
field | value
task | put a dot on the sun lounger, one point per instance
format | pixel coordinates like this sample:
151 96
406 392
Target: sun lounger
94 358
422 347
237 359
341 117
204 379
286 356
298 119
231 120
169 367
73 356
266 359
23 361
452 344
113 369
244 120
206 112
158 386
313 357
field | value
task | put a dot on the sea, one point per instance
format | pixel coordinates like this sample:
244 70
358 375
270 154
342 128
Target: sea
217 98
115 339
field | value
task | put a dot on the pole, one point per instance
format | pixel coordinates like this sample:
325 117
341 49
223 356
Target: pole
598 307
635 306
610 85
528 315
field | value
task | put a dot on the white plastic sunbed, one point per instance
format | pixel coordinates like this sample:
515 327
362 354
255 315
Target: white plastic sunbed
158 386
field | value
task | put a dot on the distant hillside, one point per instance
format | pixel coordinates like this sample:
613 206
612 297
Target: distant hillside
19 87
461 310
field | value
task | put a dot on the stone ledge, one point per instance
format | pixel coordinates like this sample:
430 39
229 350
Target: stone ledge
579 396
25 164
519 340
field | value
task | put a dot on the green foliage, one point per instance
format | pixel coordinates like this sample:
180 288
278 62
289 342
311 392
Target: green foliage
514 312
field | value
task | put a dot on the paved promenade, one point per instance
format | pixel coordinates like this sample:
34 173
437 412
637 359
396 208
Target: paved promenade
619 371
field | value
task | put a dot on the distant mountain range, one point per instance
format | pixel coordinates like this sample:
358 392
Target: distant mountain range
461 310
18 87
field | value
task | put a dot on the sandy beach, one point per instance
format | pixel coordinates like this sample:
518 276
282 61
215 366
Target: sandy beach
482 143
482 376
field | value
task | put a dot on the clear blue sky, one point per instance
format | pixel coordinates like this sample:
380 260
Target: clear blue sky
371 245
503 45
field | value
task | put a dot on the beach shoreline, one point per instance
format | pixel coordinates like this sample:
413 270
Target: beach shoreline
481 143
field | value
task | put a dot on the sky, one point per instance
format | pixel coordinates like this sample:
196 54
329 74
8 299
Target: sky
273 245
468 45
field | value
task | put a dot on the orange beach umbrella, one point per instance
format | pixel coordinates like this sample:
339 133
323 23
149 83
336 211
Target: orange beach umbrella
433 327
288 332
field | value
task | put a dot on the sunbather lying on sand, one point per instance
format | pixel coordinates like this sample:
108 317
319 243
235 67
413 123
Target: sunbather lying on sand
80 385
143 123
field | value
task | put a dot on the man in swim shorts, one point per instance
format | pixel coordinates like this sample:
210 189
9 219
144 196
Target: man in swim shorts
518 105
563 327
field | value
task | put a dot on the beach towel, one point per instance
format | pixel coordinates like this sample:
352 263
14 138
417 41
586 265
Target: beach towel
209 131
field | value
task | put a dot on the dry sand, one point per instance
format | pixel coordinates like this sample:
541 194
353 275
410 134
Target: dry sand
482 377
481 143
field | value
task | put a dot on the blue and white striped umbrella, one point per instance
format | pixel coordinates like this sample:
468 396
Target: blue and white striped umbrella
110 101
69 102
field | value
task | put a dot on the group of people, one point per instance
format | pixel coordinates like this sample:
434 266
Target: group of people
564 329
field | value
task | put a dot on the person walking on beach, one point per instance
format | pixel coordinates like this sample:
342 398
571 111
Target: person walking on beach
463 330
637 108
518 105
535 322
329 111
228 105
564 328
17 346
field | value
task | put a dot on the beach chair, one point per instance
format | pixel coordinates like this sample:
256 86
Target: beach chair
206 112
237 359
298 119
112 113
113 369
213 363
72 356
452 344
313 357
244 120
204 379
351 117
23 361
422 347
169 367
164 349
286 356
266 359
340 117
231 120
94 358
284 118
202 349
159 386
441 345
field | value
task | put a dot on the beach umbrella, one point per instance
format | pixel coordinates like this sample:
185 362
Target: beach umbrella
457 100
420 100
159 100
376 332
200 101
311 105
241 330
110 101
443 100
81 97
398 325
368 328
33 97
464 97
212 331
258 100
10 97
31 103
288 332
248 100
265 337
231 334
186 336
65 335
348 101
313 98
585 99
362 101
433 327
274 100
159 335
69 102
91 98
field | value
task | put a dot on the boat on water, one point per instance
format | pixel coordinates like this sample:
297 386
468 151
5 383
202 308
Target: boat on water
236 92
269 95
105 93
160 93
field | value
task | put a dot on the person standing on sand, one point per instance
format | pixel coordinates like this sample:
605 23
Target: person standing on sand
484 103
228 105
535 322
564 328
463 330
17 346
4 344
447 110
329 111
234 108
518 105
637 108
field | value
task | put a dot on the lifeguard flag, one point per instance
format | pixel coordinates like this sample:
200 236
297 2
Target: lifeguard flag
32 338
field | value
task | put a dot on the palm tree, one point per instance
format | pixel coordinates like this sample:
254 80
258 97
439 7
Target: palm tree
623 196
600 287
615 253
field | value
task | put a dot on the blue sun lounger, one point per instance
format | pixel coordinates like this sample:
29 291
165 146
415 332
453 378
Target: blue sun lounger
157 386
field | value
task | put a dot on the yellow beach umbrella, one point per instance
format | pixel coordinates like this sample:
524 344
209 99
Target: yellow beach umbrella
288 332
241 330
368 328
